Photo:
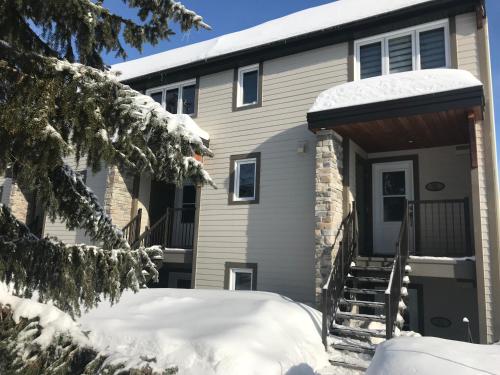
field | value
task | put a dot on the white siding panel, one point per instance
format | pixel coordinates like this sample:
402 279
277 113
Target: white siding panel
277 233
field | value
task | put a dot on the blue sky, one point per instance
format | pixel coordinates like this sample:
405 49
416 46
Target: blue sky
227 16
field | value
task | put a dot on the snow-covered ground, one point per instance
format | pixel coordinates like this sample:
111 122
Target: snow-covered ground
433 356
210 332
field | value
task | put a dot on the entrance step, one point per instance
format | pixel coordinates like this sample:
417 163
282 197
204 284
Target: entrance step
372 268
366 349
363 291
344 315
368 279
375 305
345 331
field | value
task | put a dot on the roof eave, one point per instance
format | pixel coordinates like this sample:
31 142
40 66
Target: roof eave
337 34
466 98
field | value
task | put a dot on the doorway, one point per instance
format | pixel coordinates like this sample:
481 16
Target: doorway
393 184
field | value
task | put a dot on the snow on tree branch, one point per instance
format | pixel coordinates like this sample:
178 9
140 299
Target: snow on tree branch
71 277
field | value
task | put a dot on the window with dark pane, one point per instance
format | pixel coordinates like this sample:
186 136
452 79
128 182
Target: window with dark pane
394 208
157 97
246 188
394 183
188 203
400 54
250 87
370 60
188 99
171 100
432 49
242 281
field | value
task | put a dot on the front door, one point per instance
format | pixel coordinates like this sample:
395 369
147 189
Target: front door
392 186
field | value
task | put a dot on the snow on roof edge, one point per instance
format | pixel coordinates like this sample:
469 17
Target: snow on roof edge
392 87
309 20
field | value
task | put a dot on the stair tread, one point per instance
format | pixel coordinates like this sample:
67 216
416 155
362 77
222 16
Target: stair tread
372 268
363 290
361 302
356 316
370 349
368 279
357 331
353 366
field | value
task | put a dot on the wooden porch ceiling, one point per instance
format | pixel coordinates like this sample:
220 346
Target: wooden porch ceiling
401 133
431 120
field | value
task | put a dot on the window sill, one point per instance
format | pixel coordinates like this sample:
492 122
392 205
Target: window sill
244 107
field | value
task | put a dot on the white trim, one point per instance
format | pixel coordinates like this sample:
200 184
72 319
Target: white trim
239 87
237 164
177 85
415 33
232 278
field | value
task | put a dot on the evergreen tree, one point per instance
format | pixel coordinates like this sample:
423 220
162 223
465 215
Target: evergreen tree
58 98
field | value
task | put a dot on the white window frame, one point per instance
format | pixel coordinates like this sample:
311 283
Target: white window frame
415 33
232 277
237 164
239 93
178 85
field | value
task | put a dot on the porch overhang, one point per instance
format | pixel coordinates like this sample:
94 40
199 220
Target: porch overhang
428 120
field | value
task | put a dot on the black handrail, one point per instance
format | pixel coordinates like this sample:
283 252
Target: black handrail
175 229
132 230
333 288
393 292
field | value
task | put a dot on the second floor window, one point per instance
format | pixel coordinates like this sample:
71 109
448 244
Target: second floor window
176 98
422 47
248 86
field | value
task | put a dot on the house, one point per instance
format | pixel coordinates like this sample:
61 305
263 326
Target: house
353 141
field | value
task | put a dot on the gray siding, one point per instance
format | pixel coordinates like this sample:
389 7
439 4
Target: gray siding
96 182
277 233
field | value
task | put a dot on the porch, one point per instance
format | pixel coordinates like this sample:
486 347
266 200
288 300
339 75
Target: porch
403 148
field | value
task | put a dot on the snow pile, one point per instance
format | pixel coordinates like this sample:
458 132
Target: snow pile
433 356
394 86
456 259
209 332
53 322
309 20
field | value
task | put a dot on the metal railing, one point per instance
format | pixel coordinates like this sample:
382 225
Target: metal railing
132 230
393 292
175 229
333 288
440 228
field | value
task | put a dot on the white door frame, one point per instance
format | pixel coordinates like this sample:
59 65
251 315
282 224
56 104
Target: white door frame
385 232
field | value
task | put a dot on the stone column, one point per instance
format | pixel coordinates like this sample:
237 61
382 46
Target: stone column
328 204
118 197
18 203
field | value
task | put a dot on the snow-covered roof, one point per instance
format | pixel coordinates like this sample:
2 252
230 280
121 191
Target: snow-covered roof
394 86
307 21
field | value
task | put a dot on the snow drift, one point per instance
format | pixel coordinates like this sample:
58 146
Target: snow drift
209 332
433 356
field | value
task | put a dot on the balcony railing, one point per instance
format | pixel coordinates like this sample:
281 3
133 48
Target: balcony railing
440 228
175 229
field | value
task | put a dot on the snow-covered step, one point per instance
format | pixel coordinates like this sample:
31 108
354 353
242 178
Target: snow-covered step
355 331
372 268
375 305
363 291
356 348
364 317
349 365
368 279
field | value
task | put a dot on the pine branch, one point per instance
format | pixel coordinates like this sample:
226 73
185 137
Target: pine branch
70 276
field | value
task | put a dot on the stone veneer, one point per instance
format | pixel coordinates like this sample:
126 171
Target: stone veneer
18 203
118 197
328 203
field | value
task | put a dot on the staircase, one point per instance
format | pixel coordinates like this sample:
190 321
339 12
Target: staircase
361 304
